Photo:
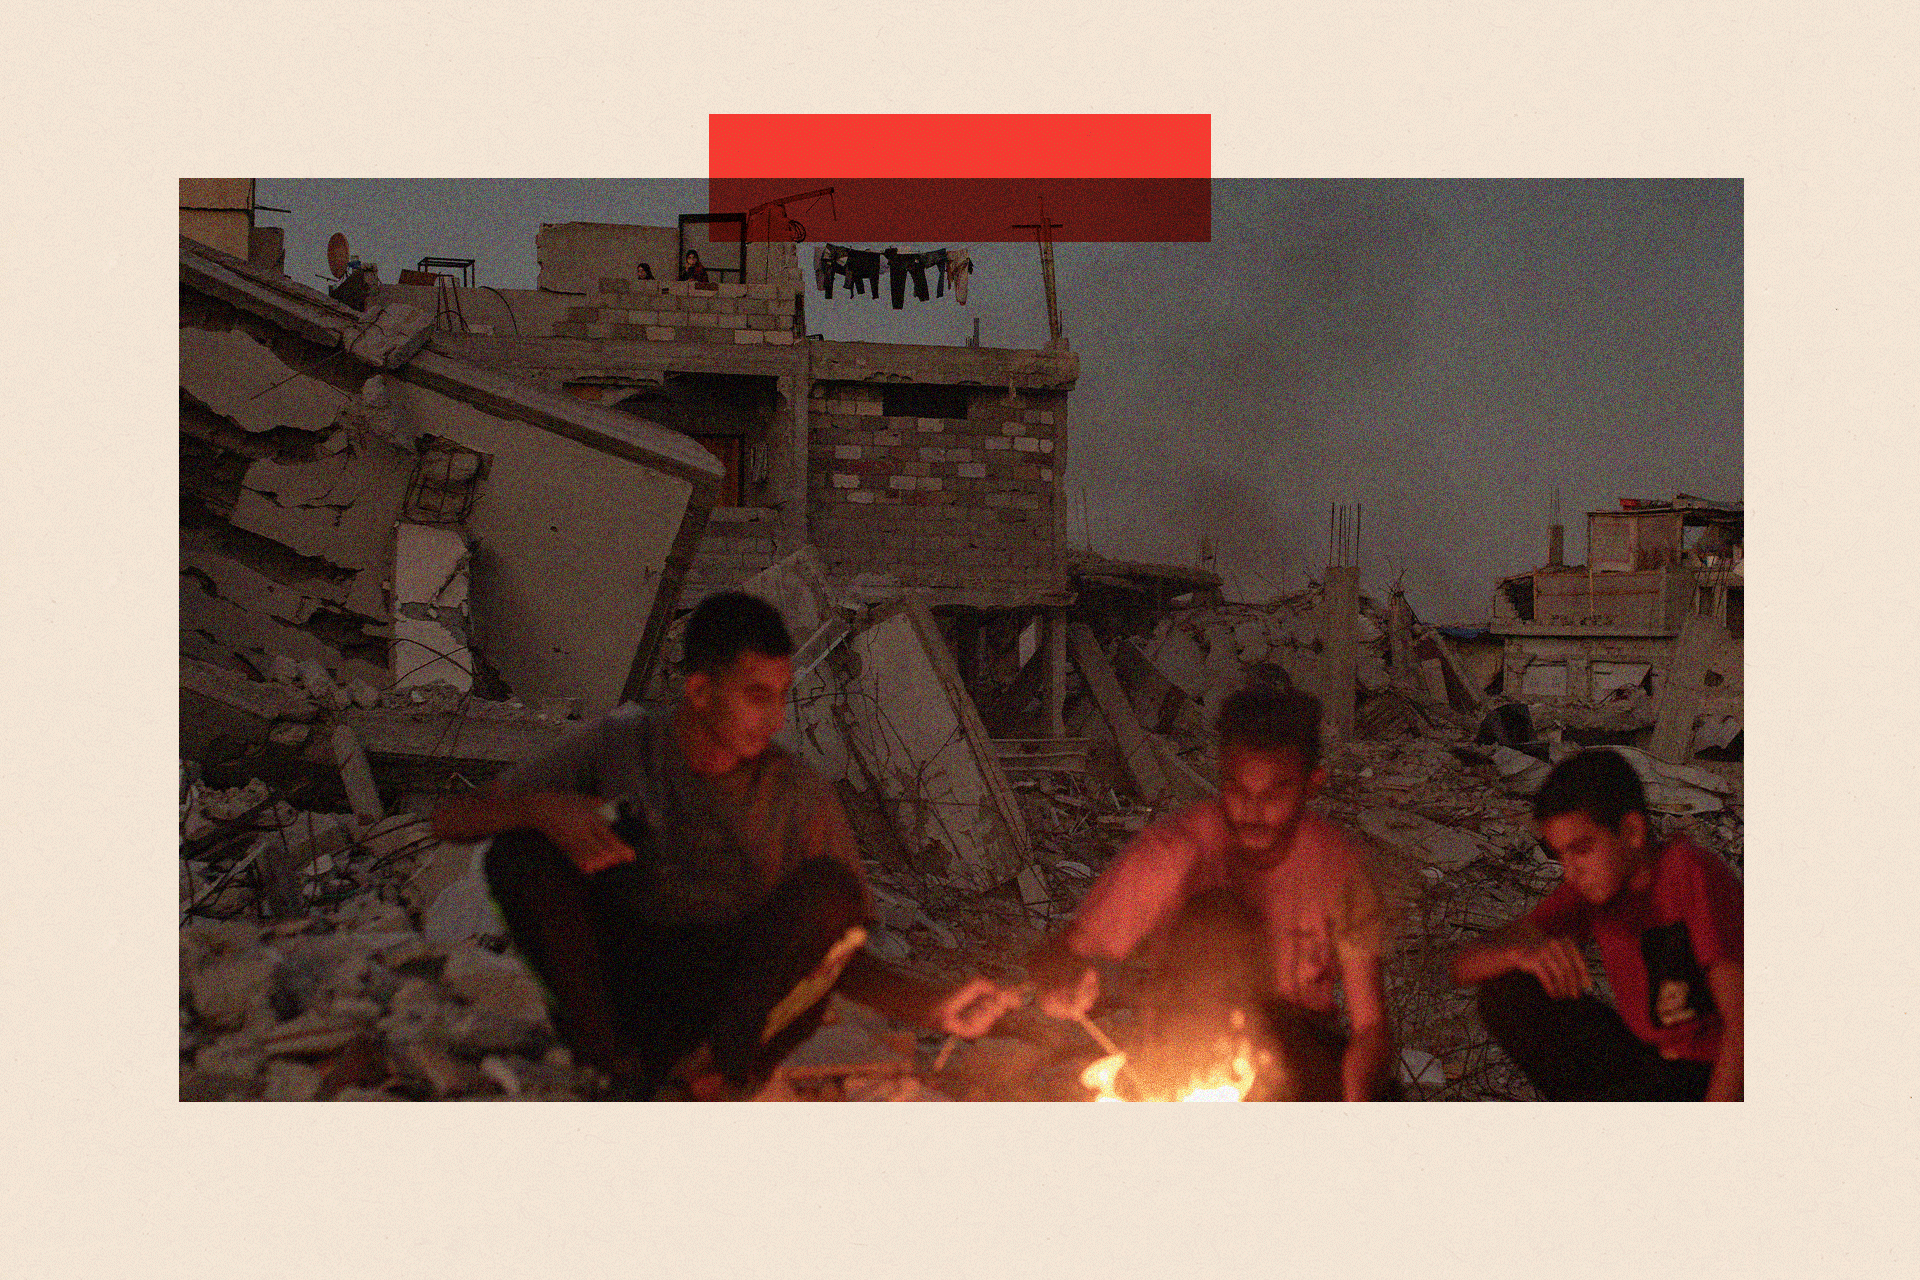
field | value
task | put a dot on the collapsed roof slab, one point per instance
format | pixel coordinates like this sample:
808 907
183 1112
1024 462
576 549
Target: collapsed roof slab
589 518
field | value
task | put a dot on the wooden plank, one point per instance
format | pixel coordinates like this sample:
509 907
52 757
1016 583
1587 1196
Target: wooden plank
1136 750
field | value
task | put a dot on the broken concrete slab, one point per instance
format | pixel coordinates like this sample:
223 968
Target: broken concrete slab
1684 691
242 585
1433 843
1678 788
340 509
796 585
1142 762
913 728
390 335
464 910
263 701
356 775
499 985
424 735
240 631
238 377
431 624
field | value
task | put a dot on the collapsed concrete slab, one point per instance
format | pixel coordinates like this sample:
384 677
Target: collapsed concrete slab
918 742
297 467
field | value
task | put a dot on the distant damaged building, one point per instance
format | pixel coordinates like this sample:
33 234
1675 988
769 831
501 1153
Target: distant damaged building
1647 633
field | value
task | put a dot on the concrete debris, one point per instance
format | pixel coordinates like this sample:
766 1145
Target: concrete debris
464 910
390 335
431 628
356 775
497 984
911 725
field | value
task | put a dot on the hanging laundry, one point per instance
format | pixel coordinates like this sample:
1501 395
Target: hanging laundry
959 266
863 269
831 261
902 267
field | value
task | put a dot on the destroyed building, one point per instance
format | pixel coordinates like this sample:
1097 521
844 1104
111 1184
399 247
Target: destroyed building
1647 635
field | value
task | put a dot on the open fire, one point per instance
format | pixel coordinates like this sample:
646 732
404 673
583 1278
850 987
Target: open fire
1228 1079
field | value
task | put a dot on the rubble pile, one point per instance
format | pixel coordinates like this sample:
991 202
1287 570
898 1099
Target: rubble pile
331 949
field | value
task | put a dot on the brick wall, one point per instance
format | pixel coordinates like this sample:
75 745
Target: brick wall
961 504
681 311
738 544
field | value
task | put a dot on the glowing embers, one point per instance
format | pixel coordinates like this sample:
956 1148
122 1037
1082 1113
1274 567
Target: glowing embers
1229 1078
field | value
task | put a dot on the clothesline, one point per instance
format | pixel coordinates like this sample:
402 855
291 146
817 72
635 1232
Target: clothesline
861 270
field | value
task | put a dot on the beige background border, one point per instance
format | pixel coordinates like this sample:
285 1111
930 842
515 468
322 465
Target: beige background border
109 1175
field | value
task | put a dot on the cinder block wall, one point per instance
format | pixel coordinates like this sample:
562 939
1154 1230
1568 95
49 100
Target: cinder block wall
731 551
681 311
945 503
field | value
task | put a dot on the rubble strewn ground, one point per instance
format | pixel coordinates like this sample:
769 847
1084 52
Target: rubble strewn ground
328 954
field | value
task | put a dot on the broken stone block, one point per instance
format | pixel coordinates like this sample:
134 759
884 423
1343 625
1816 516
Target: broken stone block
289 734
498 1070
291 1082
445 1075
310 1035
238 1054
356 775
390 334
430 619
1448 848
314 678
228 992
497 984
463 910
888 945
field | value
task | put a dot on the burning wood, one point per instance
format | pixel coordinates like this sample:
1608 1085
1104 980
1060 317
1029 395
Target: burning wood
1229 1079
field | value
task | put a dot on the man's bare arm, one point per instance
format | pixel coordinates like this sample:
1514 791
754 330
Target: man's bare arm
968 1010
1727 981
572 821
1369 1055
1520 945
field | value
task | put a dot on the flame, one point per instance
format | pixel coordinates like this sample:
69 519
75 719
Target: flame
1226 1081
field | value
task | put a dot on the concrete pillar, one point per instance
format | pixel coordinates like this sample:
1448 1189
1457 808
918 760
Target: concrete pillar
1056 697
1400 641
1339 604
797 389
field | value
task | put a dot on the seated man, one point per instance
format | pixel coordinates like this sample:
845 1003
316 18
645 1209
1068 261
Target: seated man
1668 924
688 892
1248 894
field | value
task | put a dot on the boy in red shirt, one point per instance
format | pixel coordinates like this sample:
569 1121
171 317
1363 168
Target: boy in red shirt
1668 922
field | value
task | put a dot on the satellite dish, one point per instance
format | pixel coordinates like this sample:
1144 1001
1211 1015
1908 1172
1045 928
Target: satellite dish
337 254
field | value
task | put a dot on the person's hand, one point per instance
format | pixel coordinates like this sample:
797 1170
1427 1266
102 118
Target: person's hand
1557 963
578 829
1072 999
971 1009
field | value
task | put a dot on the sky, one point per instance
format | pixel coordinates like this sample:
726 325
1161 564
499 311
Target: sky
1442 354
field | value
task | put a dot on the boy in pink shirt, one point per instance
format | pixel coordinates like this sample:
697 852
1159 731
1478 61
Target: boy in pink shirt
1668 921
1300 912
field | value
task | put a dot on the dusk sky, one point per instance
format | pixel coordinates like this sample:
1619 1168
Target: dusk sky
1444 353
